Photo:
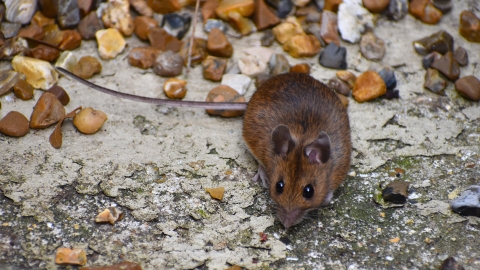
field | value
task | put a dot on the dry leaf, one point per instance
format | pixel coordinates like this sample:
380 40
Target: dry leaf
56 137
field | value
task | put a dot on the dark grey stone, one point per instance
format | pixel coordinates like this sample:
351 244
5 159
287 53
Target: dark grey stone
68 14
397 9
389 78
283 7
176 24
334 57
468 203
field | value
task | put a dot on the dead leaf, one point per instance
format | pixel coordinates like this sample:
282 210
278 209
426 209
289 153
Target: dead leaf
56 138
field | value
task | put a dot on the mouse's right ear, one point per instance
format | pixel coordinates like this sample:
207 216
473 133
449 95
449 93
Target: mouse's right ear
282 140
318 152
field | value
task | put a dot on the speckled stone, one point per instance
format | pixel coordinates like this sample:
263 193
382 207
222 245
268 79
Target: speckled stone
14 124
224 93
117 15
47 111
469 26
301 68
160 39
372 47
396 192
68 14
287 29
425 11
213 68
39 73
461 55
334 56
448 66
89 25
434 82
302 46
175 88
23 90
168 64
339 86
440 41
278 64
369 85
60 93
268 38
469 87
143 57
8 79
86 67
397 9
218 44
110 43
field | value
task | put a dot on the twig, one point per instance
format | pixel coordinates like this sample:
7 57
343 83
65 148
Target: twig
192 37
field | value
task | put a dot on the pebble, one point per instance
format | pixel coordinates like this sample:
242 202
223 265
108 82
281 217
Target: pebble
425 11
89 121
343 99
125 265
212 23
110 214
71 40
8 79
49 7
176 24
216 193
164 6
443 5
388 76
396 192
339 86
300 68
328 28
89 25
347 77
376 6
9 29
12 47
450 264
468 203
268 38
32 31
283 7
369 85
39 73
224 93
233 69
252 65
262 17
238 82
428 60
41 20
47 111
68 14
53 34
199 51
117 15
74 256
85 6
175 88
332 5
14 124
160 39
278 64
60 93
334 56
287 29
469 87
86 67
448 66
168 64
434 82
243 25
23 90
213 68
461 55
302 46
218 44
440 41
67 60
469 26
141 7
20 11
372 47
310 14
208 10
353 18
110 43
143 57
143 25
244 8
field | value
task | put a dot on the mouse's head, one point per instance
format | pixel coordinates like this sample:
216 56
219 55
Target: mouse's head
299 180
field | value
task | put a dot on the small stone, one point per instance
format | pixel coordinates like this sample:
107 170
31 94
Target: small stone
278 64
388 76
469 87
283 7
441 42
332 5
302 46
164 6
44 52
310 13
224 93
468 203
450 264
14 124
261 78
376 6
41 20
218 44
141 7
143 57
243 25
68 14
53 35
49 7
339 86
443 5
125 265
32 31
143 25
469 26
199 51
160 39
448 66
168 64
252 65
396 192
216 193
23 90
300 68
71 40
212 23
75 256
461 55
334 57
262 17
111 215
176 24
20 11
347 77
47 111
8 79
89 121
234 69
238 82
287 29
428 60
343 99
425 11
67 60
434 82
244 7
39 73
175 88
89 25
372 47
117 15
208 10
268 38
85 6
213 68
110 43
369 85
328 28
60 93
86 67
353 19
10 29
12 47
391 94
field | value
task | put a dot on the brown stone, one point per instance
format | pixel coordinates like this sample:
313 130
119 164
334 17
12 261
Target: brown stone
75 256
224 93
302 46
263 17
372 47
32 31
469 87
175 88
111 215
23 90
44 52
461 55
164 6
376 6
8 79
168 64
208 9
38 73
89 120
244 7
53 34
116 15
287 29
12 47
218 44
86 67
125 265
85 6
332 5
434 82
41 20
143 57
369 85
241 24
329 27
309 13
469 26
339 86
343 99
49 8
425 11
141 7
47 111
143 24
199 51
428 60
213 68
71 40
440 41
216 193
89 25
301 68
60 93
110 43
396 192
160 39
14 124
347 77
448 66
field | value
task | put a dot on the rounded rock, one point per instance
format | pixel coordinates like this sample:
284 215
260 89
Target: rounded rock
369 85
14 124
376 6
86 67
224 93
23 90
168 64
110 43
89 121
372 47
175 88
469 87
218 44
47 111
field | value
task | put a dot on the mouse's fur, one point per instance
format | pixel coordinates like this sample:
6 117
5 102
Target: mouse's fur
298 130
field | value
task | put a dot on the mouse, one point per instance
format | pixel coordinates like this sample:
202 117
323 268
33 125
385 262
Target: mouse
298 131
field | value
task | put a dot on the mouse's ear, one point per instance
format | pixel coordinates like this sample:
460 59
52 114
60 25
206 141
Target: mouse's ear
282 140
319 150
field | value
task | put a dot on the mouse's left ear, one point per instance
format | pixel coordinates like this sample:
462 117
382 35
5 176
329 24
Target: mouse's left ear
319 150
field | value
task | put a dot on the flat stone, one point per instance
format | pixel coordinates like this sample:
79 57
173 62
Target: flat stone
238 82
89 25
39 73
86 67
252 65
339 86
160 39
117 15
334 56
32 31
347 77
396 192
71 40
283 7
369 85
287 29
434 82
143 25
213 68
469 87
428 60
125 265
440 41
8 79
212 23
224 93
353 19
425 11
75 256
332 5
461 55
53 34
47 111
141 7
14 124
372 47
23 90
164 6
175 88
262 17
110 43
234 69
41 20
243 7
143 57
168 64
20 11
43 52
67 60
218 44
208 9
469 26
68 16
242 24
388 76
10 29
268 38
216 193
60 93
448 66
176 24
278 64
329 27
468 203
302 46
301 68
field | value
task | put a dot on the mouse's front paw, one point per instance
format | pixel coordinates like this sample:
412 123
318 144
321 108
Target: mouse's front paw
261 174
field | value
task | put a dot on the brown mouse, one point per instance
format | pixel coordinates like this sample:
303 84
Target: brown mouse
299 132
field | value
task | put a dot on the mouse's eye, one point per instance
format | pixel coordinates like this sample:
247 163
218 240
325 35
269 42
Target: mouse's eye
279 186
308 192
